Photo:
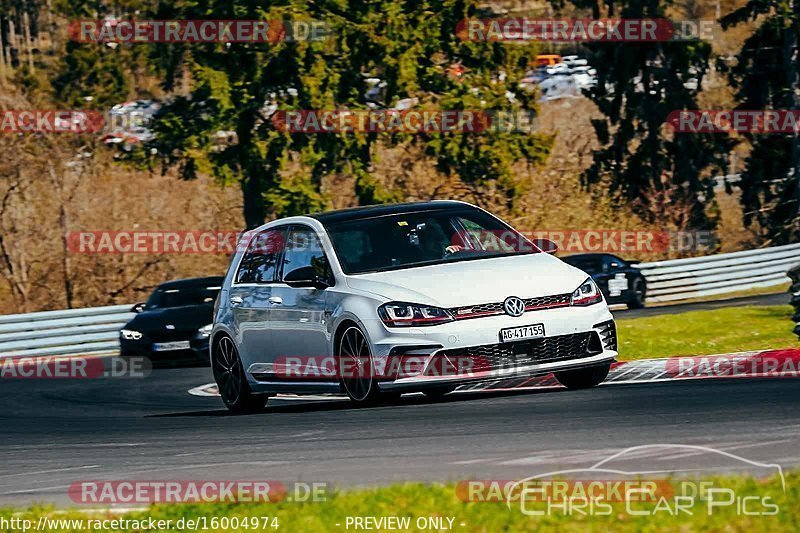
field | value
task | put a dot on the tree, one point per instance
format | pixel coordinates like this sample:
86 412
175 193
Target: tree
663 175
98 72
767 76
408 45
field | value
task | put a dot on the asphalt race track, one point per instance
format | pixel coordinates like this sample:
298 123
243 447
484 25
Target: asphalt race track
56 432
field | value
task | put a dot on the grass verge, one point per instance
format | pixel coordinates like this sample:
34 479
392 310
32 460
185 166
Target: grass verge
440 501
733 329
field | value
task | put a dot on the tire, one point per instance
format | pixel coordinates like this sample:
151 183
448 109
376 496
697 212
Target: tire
438 393
231 380
639 294
583 378
354 361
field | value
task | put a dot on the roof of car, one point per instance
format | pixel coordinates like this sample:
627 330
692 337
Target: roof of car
191 282
372 211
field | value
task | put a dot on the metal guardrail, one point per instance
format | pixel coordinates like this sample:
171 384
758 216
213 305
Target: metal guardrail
92 330
95 330
696 277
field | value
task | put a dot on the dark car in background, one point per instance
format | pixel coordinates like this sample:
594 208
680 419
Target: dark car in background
619 280
174 323
794 290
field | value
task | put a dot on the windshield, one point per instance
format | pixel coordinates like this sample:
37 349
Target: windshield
409 240
179 297
590 265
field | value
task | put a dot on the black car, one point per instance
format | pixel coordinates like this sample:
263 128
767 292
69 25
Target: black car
619 280
175 322
794 290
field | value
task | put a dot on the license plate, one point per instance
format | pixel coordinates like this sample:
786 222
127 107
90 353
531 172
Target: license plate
522 333
167 346
618 284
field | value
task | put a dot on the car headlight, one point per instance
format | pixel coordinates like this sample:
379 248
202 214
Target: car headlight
399 314
130 335
205 331
587 294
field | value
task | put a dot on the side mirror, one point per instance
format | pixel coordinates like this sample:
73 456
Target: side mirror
138 308
305 277
546 245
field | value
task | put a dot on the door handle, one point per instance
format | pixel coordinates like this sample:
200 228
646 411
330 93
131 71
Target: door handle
276 300
236 300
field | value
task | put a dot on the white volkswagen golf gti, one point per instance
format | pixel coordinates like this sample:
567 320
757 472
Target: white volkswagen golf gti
380 300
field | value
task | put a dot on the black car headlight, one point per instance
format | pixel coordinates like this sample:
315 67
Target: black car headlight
587 294
400 314
130 334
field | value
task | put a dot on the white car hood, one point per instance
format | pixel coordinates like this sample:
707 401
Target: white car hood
474 282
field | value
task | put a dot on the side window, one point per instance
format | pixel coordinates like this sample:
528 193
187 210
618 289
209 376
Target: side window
260 261
358 247
304 249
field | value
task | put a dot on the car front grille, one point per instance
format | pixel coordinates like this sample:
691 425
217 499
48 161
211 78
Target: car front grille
531 304
509 355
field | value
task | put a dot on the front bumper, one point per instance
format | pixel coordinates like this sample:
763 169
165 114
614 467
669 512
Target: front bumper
575 337
624 297
422 382
198 350
470 350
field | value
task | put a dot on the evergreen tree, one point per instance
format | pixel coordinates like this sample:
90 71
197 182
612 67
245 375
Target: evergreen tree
664 175
97 74
767 76
407 44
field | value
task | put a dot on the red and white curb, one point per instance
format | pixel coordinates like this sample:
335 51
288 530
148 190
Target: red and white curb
210 390
755 364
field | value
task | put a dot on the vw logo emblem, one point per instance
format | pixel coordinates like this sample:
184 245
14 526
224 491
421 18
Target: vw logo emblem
514 306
